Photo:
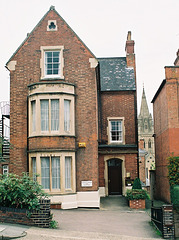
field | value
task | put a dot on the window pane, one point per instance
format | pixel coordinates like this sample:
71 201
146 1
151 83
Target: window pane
67 115
55 173
55 115
34 169
33 109
67 172
44 104
52 63
116 131
45 172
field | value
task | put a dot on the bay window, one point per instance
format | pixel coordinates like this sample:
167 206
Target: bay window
51 115
54 171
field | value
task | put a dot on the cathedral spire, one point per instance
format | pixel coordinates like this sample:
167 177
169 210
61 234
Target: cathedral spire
144 110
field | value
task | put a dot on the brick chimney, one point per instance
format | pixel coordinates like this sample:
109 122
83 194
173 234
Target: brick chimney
130 56
176 63
129 44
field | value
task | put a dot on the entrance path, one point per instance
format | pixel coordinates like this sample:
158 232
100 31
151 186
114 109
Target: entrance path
114 217
113 221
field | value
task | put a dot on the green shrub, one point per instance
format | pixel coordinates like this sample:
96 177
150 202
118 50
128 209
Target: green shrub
173 170
53 224
137 184
133 194
20 191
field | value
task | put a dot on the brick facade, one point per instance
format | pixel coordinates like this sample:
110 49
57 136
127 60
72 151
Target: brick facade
80 82
77 71
166 128
118 105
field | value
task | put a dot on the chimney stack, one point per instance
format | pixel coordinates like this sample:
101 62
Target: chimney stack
176 63
129 44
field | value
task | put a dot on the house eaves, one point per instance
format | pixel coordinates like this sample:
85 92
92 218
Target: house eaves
158 91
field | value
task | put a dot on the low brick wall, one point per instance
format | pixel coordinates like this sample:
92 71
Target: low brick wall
39 218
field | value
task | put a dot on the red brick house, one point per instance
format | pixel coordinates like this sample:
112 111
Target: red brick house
58 110
118 137
166 127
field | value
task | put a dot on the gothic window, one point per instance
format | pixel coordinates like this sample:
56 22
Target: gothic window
149 144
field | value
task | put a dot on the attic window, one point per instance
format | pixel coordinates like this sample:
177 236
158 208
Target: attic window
52 25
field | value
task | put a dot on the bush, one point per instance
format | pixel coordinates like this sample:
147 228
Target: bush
173 170
136 194
137 184
20 192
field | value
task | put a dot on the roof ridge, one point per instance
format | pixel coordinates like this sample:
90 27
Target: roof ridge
52 8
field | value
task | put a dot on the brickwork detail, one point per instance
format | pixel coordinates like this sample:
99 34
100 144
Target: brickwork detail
111 107
39 218
137 204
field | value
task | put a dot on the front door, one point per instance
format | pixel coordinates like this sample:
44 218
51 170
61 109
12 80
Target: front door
115 177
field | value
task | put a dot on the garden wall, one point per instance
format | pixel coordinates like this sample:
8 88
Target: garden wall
38 218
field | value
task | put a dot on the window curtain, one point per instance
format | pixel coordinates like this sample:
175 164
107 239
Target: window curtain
54 114
67 172
45 172
67 115
34 169
55 173
44 104
33 109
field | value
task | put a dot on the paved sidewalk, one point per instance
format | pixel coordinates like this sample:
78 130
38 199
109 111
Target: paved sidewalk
114 220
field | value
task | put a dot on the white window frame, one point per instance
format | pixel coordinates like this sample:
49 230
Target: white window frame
110 141
45 49
61 128
62 157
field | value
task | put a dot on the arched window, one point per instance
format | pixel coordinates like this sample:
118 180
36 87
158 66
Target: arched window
149 144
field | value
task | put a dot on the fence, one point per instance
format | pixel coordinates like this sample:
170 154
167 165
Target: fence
163 218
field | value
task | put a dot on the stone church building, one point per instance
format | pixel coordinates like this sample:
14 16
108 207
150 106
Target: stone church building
146 141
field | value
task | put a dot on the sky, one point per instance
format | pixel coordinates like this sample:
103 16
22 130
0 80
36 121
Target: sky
103 26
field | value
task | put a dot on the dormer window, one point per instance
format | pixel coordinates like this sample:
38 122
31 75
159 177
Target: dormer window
52 25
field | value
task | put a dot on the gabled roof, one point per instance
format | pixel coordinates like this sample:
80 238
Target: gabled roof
115 75
52 8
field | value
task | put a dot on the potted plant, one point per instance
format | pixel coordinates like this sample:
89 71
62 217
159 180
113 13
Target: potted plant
136 196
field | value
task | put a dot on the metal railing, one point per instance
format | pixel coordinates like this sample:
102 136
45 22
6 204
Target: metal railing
163 219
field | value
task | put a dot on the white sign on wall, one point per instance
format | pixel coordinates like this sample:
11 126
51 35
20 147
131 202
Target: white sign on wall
86 183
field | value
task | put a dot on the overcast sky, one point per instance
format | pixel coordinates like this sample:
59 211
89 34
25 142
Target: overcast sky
103 27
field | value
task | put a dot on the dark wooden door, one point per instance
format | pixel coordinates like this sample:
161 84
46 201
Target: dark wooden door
115 177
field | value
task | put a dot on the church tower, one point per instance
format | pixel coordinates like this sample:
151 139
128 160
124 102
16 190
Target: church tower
146 141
